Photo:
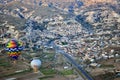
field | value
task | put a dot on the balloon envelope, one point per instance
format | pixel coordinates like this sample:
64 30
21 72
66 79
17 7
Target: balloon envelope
35 62
14 49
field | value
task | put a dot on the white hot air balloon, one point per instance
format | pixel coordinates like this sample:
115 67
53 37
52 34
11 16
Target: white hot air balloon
35 64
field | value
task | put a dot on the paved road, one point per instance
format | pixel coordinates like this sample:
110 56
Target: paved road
87 76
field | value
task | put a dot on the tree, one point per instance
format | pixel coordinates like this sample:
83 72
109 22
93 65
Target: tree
40 3
87 61
50 4
71 8
79 4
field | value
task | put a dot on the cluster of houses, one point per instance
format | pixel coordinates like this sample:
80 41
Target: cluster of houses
70 35
73 38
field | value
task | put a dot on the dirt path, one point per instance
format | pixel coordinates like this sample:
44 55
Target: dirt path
26 76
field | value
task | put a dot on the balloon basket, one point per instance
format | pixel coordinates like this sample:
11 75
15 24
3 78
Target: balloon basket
35 69
14 62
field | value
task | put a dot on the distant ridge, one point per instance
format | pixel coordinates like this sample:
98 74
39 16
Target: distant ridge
91 2
61 2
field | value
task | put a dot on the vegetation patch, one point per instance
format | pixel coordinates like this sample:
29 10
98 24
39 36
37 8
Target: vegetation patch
107 66
22 72
5 64
107 76
64 43
48 71
46 77
67 72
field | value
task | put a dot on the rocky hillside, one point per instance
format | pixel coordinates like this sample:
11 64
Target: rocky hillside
89 14
60 2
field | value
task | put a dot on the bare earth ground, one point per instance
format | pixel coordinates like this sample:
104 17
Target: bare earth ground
35 76
58 77
21 65
100 71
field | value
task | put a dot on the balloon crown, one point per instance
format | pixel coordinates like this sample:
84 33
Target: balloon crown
14 45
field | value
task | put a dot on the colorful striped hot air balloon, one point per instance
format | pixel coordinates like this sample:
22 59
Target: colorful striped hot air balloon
14 49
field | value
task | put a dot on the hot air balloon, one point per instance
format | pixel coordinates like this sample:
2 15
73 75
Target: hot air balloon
14 49
35 64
